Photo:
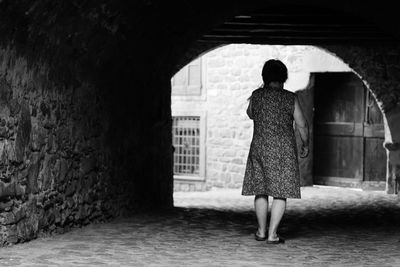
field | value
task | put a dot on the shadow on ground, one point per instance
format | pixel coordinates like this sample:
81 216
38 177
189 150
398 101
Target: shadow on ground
327 227
304 223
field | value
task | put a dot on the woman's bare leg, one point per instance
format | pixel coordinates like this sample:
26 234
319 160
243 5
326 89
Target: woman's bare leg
277 211
261 207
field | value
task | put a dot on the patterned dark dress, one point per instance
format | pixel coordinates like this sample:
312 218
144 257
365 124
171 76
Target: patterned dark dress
272 167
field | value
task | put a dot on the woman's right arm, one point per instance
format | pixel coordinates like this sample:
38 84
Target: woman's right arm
302 125
249 110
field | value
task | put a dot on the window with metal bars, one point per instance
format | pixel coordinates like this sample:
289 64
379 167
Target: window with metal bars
186 142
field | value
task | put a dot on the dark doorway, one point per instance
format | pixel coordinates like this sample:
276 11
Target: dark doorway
348 133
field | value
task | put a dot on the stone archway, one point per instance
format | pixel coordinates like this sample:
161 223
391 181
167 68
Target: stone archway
380 71
245 60
377 64
125 53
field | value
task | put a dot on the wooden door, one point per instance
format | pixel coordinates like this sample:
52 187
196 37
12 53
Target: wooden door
348 133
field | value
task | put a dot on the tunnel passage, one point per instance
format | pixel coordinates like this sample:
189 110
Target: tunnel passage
85 129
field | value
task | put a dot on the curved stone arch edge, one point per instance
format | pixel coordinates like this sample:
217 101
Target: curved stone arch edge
391 116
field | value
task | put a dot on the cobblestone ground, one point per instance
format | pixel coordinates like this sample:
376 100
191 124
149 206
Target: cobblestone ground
327 227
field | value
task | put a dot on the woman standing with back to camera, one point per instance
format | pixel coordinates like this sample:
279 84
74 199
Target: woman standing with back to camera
272 167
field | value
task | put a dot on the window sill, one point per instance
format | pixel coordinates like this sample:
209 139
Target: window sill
189 178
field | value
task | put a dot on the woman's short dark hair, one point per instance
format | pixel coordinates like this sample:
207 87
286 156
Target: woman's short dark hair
274 71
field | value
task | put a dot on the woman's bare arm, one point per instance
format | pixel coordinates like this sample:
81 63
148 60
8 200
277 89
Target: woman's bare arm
302 125
249 110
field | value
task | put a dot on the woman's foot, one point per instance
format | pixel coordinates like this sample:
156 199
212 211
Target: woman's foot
275 240
260 237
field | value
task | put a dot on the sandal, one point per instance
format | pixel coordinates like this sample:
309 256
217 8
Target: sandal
259 238
274 242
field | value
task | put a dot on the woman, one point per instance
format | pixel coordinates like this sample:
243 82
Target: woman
272 168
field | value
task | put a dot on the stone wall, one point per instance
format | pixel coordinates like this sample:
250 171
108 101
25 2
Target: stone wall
77 142
232 73
54 171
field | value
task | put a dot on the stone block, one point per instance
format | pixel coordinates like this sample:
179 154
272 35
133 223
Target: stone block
235 86
71 188
238 161
33 172
23 231
48 204
235 168
9 152
224 159
222 86
6 206
48 171
14 106
38 136
237 178
199 186
3 132
5 92
224 167
244 79
229 153
236 71
20 190
12 234
50 218
226 133
192 187
6 189
44 109
14 216
184 187
63 170
177 187
215 79
87 165
65 214
216 62
230 79
23 133
51 145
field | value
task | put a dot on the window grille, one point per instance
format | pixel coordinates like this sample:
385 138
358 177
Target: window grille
186 142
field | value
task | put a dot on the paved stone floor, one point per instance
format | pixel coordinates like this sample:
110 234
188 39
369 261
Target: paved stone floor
327 227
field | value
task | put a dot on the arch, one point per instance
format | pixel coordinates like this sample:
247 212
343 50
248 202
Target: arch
376 65
233 72
123 53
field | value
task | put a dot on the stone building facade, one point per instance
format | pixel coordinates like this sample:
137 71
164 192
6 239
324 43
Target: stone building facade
227 77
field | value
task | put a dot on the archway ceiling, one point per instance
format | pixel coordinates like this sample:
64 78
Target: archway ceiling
297 25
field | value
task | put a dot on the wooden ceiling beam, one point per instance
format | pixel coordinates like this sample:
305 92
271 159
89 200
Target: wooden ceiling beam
321 20
257 26
286 36
285 39
297 34
343 31
297 26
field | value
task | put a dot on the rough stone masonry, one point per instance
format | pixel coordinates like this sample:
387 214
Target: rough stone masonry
52 167
75 147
